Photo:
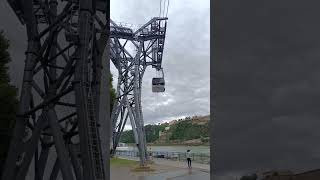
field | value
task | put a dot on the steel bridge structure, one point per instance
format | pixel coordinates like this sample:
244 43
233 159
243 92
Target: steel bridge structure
59 125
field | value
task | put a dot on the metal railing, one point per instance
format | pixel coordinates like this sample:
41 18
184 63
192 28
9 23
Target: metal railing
175 156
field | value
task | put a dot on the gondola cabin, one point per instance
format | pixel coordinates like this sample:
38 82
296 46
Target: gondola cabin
158 85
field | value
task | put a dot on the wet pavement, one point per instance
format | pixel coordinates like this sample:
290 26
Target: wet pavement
198 175
172 174
163 171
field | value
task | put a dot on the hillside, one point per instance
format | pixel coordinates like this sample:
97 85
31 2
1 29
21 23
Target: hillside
191 130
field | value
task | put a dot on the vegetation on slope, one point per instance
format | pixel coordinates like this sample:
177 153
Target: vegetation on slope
152 133
182 130
187 130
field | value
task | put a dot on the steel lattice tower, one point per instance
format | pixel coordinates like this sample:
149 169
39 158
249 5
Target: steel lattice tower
148 42
59 104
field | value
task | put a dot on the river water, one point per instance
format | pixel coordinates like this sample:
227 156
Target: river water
177 148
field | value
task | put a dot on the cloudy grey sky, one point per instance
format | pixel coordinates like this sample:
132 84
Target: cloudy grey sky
267 86
186 55
186 59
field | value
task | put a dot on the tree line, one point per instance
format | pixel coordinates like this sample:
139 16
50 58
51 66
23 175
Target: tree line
8 100
182 130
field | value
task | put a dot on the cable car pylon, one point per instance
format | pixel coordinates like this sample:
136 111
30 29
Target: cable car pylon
148 42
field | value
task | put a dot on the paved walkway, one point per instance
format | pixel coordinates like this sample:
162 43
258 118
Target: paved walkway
165 170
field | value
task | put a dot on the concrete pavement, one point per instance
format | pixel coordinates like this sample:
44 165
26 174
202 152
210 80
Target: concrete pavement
164 170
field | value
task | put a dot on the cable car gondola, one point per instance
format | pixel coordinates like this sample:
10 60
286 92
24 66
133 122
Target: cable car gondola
158 84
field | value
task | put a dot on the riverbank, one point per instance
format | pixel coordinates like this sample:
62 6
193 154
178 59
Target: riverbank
170 144
174 148
179 144
205 150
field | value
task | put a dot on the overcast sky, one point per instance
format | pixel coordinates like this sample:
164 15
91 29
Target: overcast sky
186 59
267 74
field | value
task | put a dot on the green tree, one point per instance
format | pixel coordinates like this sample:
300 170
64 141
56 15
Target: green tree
127 137
152 132
112 93
8 99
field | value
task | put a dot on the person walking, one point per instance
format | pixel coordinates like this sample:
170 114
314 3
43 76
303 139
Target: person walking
150 154
188 155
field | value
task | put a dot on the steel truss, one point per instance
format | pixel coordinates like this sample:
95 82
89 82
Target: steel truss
148 42
59 101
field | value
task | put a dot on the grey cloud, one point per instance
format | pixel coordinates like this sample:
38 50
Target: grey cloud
185 62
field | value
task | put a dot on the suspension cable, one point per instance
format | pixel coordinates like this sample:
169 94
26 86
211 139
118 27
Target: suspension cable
160 8
167 8
164 8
